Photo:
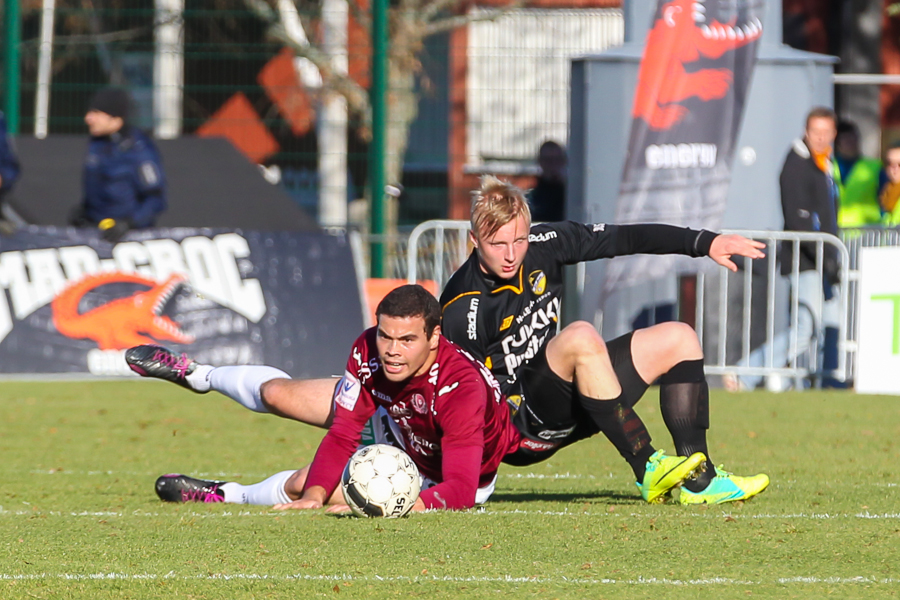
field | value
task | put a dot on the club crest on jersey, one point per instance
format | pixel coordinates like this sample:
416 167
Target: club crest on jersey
514 401
538 282
418 403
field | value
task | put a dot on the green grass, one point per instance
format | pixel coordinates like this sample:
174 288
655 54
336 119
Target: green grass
79 518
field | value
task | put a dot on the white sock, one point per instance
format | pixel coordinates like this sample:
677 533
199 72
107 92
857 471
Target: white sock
242 384
199 379
265 493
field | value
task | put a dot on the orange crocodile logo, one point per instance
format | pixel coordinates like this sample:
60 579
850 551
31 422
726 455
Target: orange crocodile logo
123 322
682 36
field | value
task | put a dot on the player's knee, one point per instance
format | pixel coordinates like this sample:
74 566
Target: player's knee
272 391
680 341
582 339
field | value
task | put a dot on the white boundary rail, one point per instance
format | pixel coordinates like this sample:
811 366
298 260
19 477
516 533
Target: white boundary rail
716 364
447 243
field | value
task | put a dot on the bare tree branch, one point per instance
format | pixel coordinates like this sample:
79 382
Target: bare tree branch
438 6
411 6
451 23
357 97
262 10
113 36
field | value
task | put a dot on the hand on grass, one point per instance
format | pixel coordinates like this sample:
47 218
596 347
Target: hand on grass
338 509
300 504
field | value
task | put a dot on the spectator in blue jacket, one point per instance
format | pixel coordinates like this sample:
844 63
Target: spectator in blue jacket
9 164
124 183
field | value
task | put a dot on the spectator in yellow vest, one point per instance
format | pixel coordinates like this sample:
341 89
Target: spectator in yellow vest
858 180
890 194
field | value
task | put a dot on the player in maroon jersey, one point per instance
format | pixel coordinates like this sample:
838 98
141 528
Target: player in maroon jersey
445 409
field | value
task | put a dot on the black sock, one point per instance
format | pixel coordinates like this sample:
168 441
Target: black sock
621 425
684 402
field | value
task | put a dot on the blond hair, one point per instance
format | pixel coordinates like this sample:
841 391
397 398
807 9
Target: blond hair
495 204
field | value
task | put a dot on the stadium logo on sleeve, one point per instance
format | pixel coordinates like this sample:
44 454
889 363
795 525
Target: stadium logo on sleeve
542 237
538 282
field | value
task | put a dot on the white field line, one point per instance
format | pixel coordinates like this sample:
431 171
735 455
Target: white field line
723 581
548 476
677 512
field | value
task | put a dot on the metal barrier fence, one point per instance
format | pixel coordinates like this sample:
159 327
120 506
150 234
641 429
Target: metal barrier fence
735 313
794 363
436 249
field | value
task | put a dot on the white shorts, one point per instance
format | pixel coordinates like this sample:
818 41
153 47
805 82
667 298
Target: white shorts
382 429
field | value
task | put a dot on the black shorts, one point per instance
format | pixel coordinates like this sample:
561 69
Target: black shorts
546 409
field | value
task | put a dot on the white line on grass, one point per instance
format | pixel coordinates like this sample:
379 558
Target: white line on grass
261 512
724 581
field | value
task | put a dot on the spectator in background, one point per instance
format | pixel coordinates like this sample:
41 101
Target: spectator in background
858 180
890 193
9 169
809 197
124 184
548 197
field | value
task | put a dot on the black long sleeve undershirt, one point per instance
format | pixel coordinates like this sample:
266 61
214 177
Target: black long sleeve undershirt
662 239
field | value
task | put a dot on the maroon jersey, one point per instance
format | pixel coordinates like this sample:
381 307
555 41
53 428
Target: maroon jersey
453 419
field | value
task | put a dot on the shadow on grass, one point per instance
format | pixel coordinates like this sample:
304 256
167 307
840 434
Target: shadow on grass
597 497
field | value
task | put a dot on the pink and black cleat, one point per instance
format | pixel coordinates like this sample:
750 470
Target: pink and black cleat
181 488
161 363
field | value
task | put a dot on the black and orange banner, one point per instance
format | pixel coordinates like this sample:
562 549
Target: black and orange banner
688 106
72 303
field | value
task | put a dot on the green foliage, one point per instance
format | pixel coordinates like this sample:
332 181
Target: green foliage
79 518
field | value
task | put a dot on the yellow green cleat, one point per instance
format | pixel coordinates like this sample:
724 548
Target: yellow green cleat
726 487
666 472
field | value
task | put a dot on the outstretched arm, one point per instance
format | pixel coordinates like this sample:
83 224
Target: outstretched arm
725 246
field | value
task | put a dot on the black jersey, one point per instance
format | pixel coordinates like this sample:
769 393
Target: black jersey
504 322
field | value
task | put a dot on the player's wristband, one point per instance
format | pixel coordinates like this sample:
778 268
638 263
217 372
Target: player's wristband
703 242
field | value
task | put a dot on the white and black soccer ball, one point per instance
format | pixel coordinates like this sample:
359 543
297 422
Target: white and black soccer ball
380 481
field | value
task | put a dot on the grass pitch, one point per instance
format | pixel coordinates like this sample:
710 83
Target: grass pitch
79 517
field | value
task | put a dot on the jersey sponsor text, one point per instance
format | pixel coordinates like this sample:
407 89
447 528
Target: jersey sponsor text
523 344
472 319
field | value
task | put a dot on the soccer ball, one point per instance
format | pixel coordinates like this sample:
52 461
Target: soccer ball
380 481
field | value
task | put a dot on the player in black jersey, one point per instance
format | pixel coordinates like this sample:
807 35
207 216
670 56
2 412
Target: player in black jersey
503 304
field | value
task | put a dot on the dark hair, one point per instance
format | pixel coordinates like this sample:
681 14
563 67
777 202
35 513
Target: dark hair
821 112
845 127
550 145
411 301
113 101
